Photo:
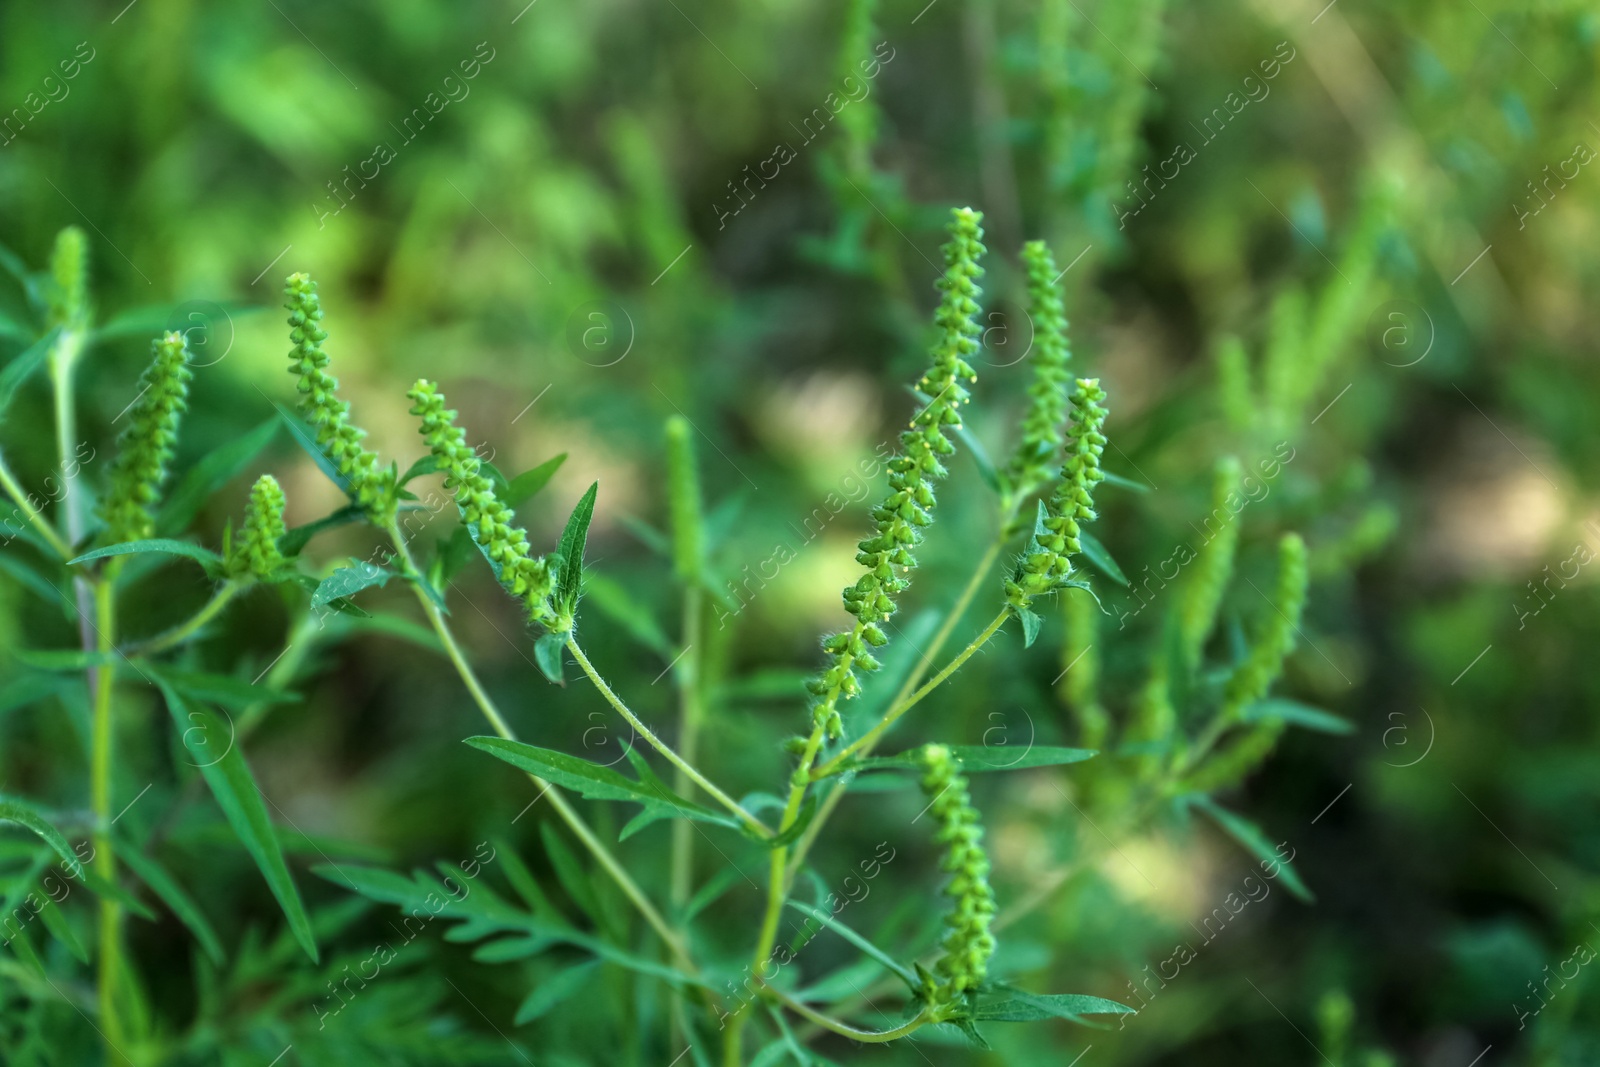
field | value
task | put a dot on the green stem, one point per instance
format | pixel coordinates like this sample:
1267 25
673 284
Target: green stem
101 761
178 634
661 746
9 482
835 795
691 711
876 1036
867 740
563 807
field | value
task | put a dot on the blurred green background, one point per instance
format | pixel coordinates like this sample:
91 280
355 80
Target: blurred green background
569 242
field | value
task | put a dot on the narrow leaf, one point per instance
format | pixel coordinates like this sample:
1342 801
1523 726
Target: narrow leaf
525 486
553 990
14 809
23 365
570 551
210 474
293 542
308 441
158 544
240 799
1255 842
856 939
1097 555
1297 714
170 893
1027 1007
348 581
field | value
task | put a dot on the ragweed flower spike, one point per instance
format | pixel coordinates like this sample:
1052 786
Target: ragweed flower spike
1047 409
69 269
145 447
488 520
912 472
255 554
1261 667
968 944
1047 564
370 486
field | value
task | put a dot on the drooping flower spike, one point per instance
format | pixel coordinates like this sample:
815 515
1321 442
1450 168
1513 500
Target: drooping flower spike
371 486
146 446
912 473
491 523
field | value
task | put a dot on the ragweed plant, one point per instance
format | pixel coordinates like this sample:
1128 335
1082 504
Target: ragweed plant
1055 472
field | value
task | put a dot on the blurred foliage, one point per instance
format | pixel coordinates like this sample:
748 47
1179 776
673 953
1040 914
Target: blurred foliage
1372 259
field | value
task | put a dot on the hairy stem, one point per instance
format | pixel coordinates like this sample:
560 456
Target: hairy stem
563 807
101 761
8 481
661 746
876 1036
691 711
178 634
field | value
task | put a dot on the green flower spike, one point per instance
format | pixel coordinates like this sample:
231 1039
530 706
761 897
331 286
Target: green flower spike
968 944
488 520
1041 433
69 268
912 473
1213 564
145 447
370 486
1047 564
255 554
683 500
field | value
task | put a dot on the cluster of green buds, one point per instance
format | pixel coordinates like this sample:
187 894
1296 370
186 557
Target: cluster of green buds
255 553
912 472
1213 565
146 446
1047 563
369 485
488 520
1047 408
968 944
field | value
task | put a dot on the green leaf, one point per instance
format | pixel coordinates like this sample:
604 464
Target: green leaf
857 940
511 949
1297 714
975 759
294 541
1124 483
549 652
569 582
19 811
213 472
525 486
1028 1007
60 926
22 689
170 893
240 798
308 441
164 545
569 872
615 602
502 485
707 894
428 464
553 990
595 781
1030 625
66 659
1255 842
23 365
1097 555
234 693
348 581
